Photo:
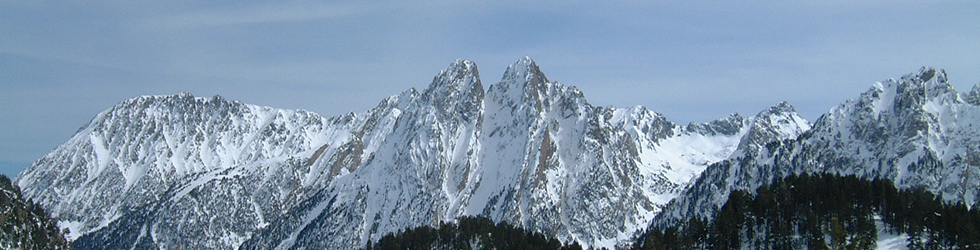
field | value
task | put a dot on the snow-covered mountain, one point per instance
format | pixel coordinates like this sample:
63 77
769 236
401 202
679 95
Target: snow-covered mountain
189 172
917 131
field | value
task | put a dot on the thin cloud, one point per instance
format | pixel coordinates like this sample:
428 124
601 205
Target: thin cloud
693 61
259 14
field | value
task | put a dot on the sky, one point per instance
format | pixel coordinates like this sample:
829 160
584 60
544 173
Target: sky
63 62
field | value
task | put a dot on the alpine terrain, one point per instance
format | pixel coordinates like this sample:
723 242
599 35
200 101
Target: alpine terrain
185 172
917 132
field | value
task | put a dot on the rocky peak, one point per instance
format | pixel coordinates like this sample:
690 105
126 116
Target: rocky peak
973 97
913 90
522 82
926 74
904 97
179 99
456 91
536 155
181 107
730 125
461 76
525 71
772 114
778 122
913 131
782 107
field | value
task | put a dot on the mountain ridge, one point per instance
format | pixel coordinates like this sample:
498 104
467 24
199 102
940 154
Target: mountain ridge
916 131
183 171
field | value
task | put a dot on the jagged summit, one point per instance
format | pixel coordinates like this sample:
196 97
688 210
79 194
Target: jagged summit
154 107
180 98
909 92
525 86
906 105
456 91
781 107
729 125
973 97
525 70
926 74
461 75
915 131
205 173
779 122
521 80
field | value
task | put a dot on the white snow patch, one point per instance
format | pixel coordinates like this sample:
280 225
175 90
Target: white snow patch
887 98
682 158
232 239
101 155
74 229
197 183
891 241
888 240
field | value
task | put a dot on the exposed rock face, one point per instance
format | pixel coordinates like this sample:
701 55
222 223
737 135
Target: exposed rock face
916 131
186 172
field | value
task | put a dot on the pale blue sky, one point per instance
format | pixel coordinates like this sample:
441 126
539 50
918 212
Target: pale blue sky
63 62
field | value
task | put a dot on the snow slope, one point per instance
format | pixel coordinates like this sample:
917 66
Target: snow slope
188 172
917 131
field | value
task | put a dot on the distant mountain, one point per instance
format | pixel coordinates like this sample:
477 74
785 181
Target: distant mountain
188 172
24 224
916 131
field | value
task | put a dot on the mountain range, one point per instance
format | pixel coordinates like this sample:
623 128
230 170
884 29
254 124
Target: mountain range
180 171
916 131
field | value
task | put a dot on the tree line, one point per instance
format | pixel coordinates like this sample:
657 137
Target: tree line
469 233
824 211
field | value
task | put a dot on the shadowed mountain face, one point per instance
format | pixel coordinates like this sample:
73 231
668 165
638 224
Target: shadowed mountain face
24 224
189 172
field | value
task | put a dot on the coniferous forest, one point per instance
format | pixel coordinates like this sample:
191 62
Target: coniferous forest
824 212
821 211
469 233
24 224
